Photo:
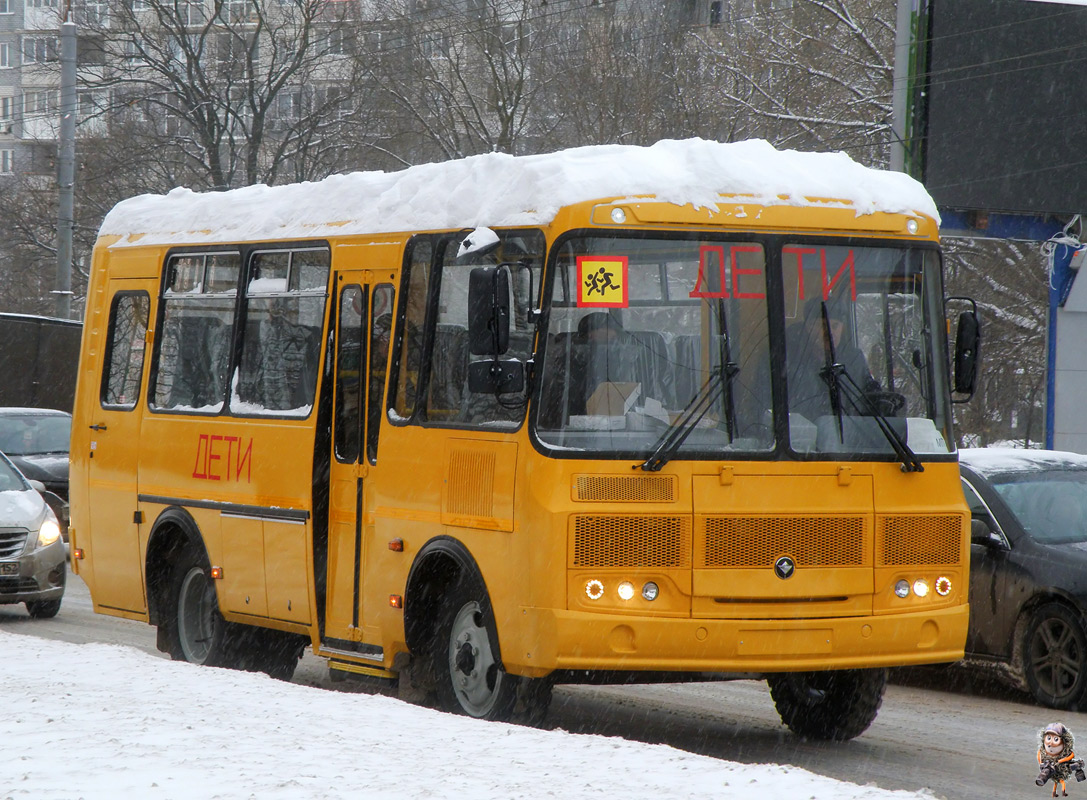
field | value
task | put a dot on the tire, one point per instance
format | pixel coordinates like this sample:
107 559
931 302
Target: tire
195 630
43 609
465 660
835 705
1055 657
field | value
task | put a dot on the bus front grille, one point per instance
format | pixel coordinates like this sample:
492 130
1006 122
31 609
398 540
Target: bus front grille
625 488
730 542
910 540
642 541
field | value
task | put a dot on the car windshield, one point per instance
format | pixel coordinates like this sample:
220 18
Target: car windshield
10 479
1051 505
34 434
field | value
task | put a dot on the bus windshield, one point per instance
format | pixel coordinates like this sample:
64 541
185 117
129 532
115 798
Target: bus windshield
675 344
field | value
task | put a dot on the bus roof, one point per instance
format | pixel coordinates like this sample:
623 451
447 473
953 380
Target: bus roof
497 190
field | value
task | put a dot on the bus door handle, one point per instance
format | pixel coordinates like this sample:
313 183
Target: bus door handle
98 427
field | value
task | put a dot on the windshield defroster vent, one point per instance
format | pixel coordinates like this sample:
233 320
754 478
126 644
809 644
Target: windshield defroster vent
625 488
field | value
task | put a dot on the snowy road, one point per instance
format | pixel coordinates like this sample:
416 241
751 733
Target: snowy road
955 745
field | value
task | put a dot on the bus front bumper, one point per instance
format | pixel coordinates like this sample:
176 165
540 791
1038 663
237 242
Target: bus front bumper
572 640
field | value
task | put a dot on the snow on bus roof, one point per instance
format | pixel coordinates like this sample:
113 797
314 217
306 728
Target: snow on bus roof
498 189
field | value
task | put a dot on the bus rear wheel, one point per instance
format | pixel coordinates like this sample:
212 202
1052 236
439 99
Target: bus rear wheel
197 632
834 705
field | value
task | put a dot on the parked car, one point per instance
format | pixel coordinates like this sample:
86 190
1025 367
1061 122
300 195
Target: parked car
1028 569
33 567
36 440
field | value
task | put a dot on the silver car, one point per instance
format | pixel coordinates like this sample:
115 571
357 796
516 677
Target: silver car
32 559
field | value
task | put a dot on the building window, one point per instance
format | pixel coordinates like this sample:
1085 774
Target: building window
7 162
41 3
5 55
39 49
5 7
38 103
716 12
7 113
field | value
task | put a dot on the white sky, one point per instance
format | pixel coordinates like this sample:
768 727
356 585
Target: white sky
497 189
106 721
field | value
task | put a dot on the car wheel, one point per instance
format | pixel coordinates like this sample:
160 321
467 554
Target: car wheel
1055 656
837 704
470 680
43 609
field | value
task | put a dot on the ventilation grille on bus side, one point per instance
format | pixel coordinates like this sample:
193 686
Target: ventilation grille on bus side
918 540
760 541
470 491
625 488
634 542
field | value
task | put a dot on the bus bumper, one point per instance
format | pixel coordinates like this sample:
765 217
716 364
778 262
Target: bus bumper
573 640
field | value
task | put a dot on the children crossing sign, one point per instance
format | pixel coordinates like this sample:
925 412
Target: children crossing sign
602 281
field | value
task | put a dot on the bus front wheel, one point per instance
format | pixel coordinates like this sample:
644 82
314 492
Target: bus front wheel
833 705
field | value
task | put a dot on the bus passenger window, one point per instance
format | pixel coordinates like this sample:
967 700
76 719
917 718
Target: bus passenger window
282 338
124 354
380 329
193 346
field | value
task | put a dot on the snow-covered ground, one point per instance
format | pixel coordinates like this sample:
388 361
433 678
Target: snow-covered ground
105 721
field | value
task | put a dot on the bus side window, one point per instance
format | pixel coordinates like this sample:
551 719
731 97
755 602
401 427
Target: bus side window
349 373
410 333
123 366
381 315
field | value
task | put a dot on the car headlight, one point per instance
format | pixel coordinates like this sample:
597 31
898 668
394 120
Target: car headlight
48 533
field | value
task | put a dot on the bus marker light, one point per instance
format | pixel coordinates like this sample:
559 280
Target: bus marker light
78 553
594 589
920 588
912 226
397 545
217 573
396 601
626 590
618 216
943 586
902 588
650 591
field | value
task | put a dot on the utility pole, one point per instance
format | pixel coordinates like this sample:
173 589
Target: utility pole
66 168
900 90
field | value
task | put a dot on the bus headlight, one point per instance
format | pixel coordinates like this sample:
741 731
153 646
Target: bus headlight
650 591
920 588
943 586
594 589
902 589
626 590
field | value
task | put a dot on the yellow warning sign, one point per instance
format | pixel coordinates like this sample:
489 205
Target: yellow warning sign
602 281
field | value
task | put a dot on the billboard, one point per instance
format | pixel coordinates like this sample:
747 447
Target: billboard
1004 117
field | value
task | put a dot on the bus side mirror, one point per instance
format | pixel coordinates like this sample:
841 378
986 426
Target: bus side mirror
967 353
488 311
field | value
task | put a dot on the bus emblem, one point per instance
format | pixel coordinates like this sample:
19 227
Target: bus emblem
784 567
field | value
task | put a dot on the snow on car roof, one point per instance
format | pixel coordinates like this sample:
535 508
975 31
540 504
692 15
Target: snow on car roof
497 189
996 460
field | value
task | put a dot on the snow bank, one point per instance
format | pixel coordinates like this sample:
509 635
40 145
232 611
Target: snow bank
500 190
102 721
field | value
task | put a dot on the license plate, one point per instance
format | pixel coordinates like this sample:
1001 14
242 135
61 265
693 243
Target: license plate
9 569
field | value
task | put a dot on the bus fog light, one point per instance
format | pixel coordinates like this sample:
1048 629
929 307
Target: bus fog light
594 589
902 588
943 586
920 588
626 590
650 591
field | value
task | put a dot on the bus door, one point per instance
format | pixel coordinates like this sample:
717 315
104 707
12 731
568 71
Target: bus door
363 325
113 437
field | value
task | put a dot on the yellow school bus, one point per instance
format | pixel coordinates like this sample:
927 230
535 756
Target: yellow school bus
610 414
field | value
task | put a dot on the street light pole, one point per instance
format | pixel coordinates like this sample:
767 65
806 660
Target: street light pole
66 169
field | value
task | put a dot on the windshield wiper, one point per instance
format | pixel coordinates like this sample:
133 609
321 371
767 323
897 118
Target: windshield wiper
840 382
719 383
